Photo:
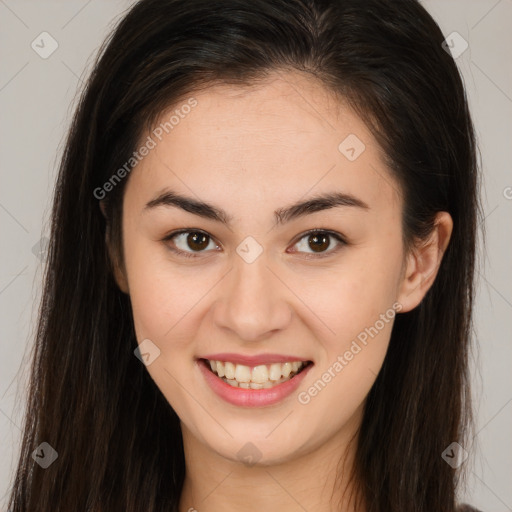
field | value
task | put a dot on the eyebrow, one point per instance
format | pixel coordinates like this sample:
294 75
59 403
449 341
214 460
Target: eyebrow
317 203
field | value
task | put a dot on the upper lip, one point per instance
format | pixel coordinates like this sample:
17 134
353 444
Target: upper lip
253 360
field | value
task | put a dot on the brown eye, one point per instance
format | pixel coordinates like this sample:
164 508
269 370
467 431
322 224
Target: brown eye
192 243
189 242
319 241
197 241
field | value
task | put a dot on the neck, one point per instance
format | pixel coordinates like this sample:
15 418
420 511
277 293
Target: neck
317 480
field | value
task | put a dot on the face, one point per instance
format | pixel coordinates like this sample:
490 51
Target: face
251 279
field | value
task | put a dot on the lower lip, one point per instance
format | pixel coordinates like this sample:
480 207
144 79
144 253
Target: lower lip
251 397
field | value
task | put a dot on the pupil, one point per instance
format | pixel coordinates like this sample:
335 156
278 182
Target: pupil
200 239
319 242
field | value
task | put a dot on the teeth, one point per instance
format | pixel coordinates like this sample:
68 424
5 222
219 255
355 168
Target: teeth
275 371
229 370
259 377
287 369
259 374
242 374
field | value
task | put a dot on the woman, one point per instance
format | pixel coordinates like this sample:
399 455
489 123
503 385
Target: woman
260 277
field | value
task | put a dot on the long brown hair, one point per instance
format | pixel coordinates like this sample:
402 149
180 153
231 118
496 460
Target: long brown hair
118 440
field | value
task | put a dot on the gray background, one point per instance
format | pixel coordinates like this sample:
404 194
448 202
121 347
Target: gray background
37 97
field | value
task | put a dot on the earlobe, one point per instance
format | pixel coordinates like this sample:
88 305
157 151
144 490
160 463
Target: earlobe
423 263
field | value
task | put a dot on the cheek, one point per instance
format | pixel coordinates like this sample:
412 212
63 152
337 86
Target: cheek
345 295
353 294
359 307
361 313
160 294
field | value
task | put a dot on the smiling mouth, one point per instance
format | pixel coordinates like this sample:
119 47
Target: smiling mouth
258 377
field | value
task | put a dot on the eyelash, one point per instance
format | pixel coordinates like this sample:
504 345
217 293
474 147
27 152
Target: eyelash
337 236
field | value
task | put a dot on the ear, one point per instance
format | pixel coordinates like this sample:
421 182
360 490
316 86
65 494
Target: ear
115 263
423 262
119 274
116 266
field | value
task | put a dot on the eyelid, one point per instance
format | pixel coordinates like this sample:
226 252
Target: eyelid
187 254
312 255
191 254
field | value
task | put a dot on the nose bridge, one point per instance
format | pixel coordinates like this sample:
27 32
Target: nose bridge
253 302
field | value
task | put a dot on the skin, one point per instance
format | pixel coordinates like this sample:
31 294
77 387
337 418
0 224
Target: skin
251 151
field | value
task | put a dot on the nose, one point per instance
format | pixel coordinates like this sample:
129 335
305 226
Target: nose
253 302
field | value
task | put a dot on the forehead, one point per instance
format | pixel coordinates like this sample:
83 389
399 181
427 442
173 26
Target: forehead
269 143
